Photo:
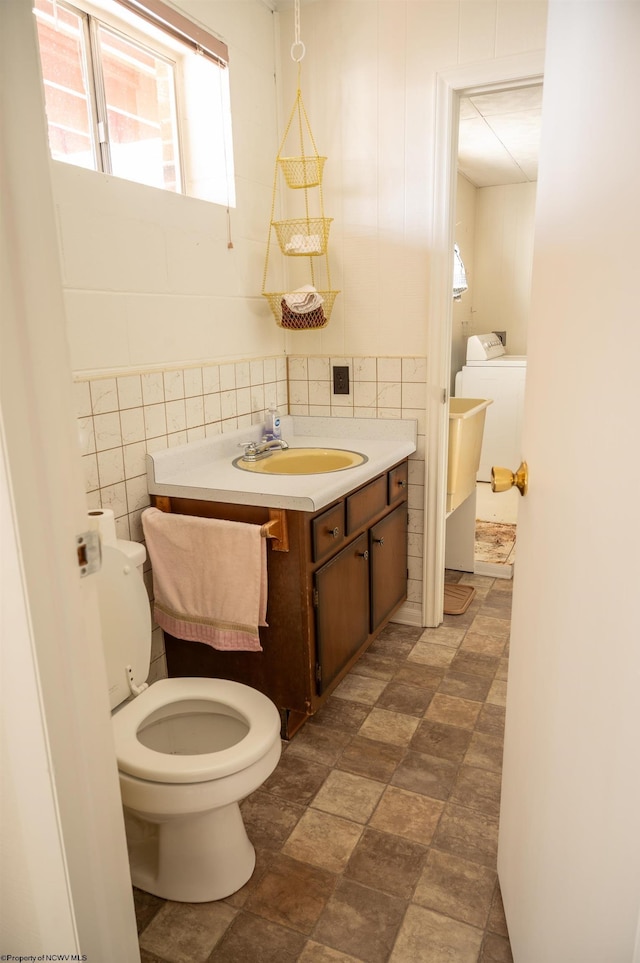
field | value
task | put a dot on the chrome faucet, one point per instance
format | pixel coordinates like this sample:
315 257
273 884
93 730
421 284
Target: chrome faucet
254 450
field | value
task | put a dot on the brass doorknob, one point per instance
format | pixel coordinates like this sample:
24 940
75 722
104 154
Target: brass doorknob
502 479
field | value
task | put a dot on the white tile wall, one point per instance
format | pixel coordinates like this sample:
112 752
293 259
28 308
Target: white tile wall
122 417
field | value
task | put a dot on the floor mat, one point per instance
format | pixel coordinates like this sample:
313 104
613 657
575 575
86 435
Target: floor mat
457 598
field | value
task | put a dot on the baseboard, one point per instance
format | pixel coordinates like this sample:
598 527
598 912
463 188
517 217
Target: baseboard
493 570
407 615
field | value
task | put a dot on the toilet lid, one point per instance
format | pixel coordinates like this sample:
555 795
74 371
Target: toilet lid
138 760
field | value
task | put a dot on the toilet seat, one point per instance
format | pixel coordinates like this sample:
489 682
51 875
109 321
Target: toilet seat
137 760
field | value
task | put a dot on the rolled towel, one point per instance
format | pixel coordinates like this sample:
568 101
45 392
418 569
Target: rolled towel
304 299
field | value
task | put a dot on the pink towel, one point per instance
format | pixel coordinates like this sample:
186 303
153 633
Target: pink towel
209 578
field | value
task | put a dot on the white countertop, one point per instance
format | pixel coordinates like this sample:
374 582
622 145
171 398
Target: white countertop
205 470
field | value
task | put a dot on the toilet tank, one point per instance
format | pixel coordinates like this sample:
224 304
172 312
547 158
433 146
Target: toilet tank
134 551
125 618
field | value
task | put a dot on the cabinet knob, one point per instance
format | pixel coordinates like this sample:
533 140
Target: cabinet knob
334 531
380 541
364 555
402 483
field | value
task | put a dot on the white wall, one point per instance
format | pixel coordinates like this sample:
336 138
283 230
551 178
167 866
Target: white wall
494 228
63 825
148 277
503 260
368 81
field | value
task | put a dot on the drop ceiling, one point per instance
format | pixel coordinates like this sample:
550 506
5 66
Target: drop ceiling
499 136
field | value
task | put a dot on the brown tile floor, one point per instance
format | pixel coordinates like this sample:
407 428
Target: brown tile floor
376 835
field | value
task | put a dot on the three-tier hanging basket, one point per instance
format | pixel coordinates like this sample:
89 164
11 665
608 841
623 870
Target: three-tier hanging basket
309 306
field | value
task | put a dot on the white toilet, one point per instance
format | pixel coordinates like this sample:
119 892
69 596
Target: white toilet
188 751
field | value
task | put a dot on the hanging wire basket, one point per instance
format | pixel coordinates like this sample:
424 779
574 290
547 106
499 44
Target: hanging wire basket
302 171
286 318
303 235
307 307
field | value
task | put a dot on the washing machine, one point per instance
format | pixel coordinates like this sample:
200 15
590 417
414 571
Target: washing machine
489 372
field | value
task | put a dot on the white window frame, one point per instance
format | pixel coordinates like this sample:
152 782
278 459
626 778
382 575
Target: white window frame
122 18
105 145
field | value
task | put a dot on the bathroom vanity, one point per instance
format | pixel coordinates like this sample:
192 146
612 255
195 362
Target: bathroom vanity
337 563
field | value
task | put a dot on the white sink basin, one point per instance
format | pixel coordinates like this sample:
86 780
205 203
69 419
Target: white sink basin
466 429
303 461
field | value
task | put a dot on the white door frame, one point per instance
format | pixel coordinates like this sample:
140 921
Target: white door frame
450 84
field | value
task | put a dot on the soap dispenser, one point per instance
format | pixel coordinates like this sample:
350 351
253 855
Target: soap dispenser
272 424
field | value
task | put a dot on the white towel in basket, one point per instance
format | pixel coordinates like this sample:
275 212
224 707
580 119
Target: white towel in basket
304 244
304 299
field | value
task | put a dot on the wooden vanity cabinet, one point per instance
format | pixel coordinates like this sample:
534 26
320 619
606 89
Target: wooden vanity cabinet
330 594
356 592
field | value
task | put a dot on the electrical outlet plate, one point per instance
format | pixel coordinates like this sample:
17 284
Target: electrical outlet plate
340 379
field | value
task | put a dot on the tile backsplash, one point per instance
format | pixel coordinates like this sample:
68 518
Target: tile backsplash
122 416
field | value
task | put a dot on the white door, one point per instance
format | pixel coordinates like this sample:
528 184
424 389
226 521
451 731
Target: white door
65 887
569 851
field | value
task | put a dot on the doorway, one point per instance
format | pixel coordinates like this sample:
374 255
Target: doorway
495 76
497 170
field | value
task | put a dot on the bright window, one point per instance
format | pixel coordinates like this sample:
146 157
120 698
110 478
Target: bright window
120 98
63 53
139 93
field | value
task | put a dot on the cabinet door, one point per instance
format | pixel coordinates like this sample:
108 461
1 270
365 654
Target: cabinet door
388 551
342 609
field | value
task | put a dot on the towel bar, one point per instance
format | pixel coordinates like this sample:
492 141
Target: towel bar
276 528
